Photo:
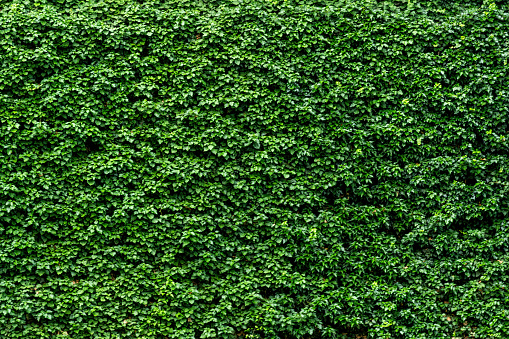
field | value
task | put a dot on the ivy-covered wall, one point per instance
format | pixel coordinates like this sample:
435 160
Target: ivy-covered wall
271 169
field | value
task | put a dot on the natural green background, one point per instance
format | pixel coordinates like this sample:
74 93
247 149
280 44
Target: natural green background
277 169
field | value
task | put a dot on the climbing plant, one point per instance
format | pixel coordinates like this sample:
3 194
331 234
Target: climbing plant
254 169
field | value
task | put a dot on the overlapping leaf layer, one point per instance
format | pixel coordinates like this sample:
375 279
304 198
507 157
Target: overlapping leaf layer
269 169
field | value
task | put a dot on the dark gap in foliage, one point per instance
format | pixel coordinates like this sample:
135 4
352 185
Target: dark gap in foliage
470 177
91 145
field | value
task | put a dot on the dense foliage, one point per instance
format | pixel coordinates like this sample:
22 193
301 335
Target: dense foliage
269 169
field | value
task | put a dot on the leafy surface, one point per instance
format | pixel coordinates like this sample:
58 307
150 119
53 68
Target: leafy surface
264 168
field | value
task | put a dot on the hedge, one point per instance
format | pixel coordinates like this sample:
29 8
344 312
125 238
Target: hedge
254 169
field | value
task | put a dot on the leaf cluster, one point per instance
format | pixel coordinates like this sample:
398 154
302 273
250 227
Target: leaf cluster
257 169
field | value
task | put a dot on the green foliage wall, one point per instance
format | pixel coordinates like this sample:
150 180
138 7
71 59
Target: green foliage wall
272 169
